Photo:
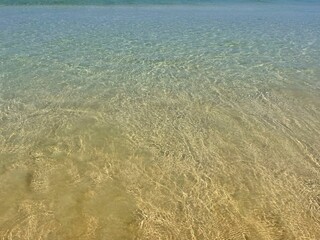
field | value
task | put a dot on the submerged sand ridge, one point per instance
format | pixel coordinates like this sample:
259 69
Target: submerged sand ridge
171 131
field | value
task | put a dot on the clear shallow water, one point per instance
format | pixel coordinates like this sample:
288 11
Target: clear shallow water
159 122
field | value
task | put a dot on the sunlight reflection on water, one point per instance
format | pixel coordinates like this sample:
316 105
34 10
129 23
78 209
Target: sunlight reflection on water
159 123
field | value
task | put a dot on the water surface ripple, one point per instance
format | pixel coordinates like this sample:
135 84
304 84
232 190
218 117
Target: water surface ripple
160 122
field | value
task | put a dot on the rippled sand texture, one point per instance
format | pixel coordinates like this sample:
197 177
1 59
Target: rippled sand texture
159 123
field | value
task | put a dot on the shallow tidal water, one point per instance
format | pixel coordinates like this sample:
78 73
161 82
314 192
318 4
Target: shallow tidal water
160 122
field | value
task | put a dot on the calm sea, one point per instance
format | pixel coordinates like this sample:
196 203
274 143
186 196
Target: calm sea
192 120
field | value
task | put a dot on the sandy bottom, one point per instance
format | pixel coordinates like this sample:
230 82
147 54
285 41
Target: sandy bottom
139 145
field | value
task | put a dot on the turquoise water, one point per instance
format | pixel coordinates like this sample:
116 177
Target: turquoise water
153 2
160 122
